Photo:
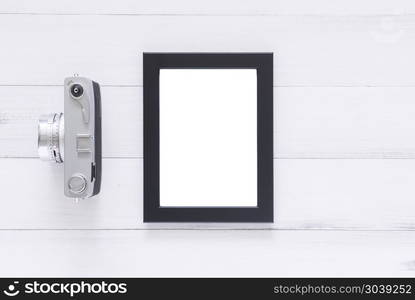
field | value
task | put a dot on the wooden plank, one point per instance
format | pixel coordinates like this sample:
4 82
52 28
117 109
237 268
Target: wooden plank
206 253
309 194
20 108
229 7
310 122
309 50
344 122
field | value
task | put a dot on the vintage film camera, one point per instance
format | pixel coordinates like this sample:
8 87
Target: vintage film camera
74 138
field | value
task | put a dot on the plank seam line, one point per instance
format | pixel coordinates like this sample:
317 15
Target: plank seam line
275 158
215 229
184 14
274 86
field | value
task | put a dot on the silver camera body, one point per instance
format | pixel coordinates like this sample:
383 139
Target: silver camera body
74 138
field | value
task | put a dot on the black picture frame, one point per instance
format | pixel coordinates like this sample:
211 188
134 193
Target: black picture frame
263 63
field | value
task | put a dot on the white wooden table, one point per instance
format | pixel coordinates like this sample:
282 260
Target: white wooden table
344 138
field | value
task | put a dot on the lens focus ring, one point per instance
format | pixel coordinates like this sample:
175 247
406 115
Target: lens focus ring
51 137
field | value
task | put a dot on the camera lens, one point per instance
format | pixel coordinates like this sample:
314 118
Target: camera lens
51 137
77 90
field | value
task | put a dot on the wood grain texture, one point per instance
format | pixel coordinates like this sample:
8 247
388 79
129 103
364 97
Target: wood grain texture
206 253
344 122
309 194
344 83
310 122
201 7
310 50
